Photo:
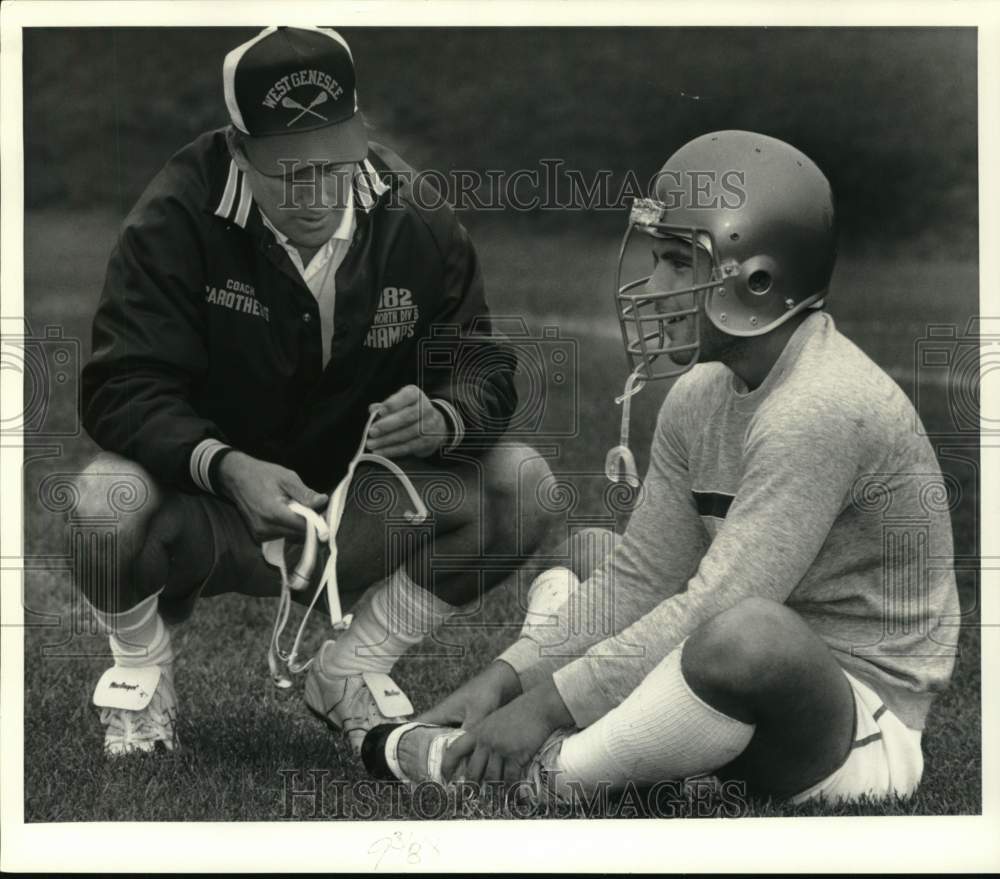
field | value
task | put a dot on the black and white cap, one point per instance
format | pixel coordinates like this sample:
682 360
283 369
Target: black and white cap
292 90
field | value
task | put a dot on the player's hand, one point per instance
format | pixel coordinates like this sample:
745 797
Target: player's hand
410 425
477 698
262 492
500 747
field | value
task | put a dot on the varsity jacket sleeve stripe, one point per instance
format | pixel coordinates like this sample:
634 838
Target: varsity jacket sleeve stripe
456 427
203 463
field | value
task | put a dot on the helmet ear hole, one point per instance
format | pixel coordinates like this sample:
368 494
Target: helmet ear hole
759 282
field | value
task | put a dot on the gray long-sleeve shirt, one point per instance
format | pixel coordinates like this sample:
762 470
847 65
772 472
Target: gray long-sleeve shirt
817 489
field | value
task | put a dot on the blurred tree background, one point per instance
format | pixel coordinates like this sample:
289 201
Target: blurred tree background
888 113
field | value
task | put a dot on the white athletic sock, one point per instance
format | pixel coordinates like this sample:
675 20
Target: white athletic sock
661 731
138 636
399 615
159 650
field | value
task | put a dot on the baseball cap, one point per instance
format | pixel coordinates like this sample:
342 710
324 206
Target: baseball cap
292 90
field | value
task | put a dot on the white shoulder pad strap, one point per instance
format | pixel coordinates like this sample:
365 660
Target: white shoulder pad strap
130 688
274 552
391 701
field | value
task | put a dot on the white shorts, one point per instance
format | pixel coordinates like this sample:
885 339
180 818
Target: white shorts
884 760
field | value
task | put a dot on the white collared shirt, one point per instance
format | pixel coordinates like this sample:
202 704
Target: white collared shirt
321 273
320 277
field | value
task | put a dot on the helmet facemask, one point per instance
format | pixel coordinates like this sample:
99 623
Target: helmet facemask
646 317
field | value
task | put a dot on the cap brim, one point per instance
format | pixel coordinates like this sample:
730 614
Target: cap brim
280 154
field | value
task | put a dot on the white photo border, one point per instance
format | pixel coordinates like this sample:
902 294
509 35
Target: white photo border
848 844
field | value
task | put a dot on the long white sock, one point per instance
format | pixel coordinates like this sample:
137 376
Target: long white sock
138 636
399 615
662 731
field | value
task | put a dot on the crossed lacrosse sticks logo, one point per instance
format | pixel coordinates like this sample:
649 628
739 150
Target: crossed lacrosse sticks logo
292 104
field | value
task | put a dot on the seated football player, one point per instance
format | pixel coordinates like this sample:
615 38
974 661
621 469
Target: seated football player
272 287
771 623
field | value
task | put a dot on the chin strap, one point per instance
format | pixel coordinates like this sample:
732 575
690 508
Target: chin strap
322 529
619 464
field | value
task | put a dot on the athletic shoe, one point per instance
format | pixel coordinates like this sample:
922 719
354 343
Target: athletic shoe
356 703
138 709
420 761
539 784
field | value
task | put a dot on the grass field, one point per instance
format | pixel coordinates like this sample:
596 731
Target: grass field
243 741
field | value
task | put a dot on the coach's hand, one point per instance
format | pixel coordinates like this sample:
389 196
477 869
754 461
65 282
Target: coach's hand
410 425
262 492
477 698
501 746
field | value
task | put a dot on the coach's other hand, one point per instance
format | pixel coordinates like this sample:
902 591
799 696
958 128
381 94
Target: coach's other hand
477 698
262 492
501 746
410 425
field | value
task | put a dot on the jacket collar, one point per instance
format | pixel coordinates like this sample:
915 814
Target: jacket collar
232 201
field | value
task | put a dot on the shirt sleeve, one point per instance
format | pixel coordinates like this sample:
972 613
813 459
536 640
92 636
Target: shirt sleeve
797 475
659 551
149 351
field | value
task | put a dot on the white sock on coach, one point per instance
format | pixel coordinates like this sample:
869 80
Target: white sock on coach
138 636
399 616
662 731
159 650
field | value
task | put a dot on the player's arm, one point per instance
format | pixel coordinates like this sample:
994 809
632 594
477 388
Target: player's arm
794 487
629 584
797 478
659 551
150 354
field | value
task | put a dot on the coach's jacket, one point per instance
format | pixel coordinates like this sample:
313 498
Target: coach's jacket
207 336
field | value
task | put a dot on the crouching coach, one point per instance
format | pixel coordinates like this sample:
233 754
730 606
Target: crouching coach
269 292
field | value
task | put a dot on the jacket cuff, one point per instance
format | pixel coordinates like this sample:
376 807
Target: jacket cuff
204 463
456 427
581 691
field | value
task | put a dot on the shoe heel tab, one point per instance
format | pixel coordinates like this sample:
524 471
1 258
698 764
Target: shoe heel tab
128 688
390 699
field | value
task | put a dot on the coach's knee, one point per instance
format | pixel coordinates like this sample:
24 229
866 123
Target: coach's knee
588 549
745 649
113 487
512 477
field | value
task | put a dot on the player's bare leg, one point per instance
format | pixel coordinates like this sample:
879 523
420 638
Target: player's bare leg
760 663
752 694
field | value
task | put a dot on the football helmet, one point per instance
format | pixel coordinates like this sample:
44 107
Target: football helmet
757 216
